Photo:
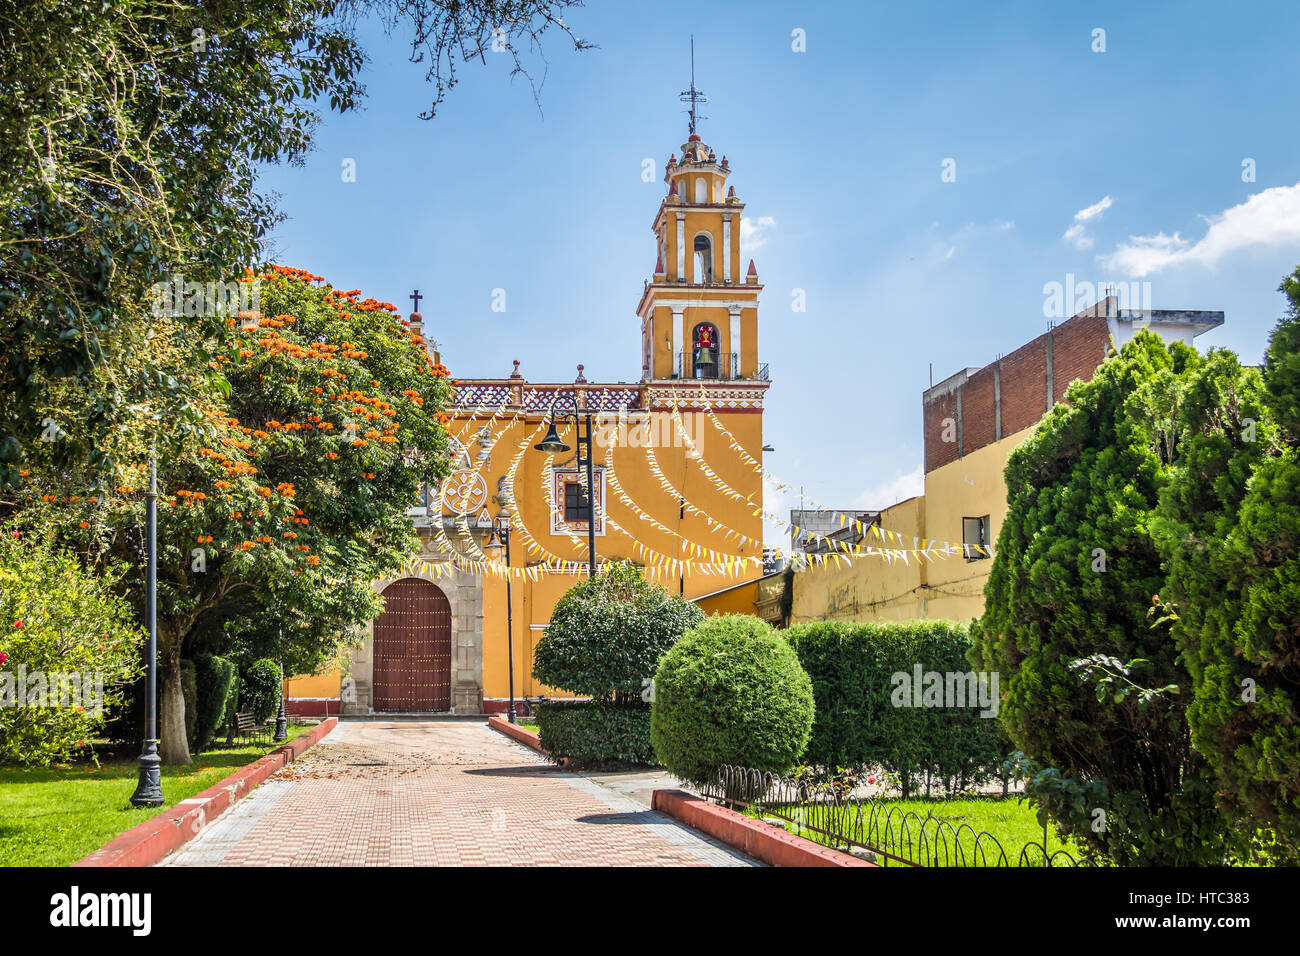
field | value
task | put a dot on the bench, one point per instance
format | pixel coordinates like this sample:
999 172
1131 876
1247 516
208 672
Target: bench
246 728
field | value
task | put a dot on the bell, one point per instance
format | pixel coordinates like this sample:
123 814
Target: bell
705 356
551 444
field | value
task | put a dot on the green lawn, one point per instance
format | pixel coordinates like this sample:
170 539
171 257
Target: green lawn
1012 822
529 725
54 816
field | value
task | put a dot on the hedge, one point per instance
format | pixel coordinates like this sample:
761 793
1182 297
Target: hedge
853 667
595 732
214 677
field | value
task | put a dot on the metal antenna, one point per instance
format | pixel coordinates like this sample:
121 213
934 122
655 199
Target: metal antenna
693 96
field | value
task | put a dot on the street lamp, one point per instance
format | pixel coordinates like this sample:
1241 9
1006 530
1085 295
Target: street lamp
501 537
553 445
148 789
281 720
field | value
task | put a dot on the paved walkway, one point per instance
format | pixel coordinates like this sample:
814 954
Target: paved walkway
440 793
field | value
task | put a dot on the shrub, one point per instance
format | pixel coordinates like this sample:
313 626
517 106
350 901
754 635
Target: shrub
606 635
864 713
1230 537
57 621
1094 695
594 732
214 677
260 694
730 692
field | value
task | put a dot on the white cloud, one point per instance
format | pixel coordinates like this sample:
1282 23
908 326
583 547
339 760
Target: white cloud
1077 234
754 232
1095 210
899 488
1268 218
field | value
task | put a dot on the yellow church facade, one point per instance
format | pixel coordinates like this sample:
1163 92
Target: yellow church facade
676 479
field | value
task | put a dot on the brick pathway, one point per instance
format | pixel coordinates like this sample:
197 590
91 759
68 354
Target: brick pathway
440 793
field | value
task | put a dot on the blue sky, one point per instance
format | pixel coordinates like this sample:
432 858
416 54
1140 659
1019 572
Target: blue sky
1120 165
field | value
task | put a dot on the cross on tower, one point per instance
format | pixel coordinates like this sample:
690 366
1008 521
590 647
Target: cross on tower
416 297
693 96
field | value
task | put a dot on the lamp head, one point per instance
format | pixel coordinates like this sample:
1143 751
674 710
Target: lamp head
552 444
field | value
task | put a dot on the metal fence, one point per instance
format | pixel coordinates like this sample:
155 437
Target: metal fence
830 814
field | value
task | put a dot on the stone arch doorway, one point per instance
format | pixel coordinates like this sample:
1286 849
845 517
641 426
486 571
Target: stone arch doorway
412 649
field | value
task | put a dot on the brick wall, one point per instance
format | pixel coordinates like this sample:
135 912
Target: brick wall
1080 347
1072 350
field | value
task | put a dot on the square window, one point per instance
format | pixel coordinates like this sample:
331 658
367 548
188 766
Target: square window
975 538
576 505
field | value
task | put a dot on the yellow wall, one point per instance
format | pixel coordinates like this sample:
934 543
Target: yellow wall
734 600
638 541
944 587
313 685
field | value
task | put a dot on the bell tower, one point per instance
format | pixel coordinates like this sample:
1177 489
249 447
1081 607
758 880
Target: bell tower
699 314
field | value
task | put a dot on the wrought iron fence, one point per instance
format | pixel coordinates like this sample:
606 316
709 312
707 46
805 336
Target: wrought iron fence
830 813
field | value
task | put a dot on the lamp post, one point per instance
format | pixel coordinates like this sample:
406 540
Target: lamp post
500 538
281 720
552 445
148 788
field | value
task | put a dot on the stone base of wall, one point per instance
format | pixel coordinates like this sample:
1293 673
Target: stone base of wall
464 593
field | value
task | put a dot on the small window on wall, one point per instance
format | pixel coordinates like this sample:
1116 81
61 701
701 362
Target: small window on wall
576 505
975 538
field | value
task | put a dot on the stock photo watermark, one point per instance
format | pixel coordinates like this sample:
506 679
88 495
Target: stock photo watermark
53 690
949 689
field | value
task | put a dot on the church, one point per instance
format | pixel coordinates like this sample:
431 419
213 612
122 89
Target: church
554 480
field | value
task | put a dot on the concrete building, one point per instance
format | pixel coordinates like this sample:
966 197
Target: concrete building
972 421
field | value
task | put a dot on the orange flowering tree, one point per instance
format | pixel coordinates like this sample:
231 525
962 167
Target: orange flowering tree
277 512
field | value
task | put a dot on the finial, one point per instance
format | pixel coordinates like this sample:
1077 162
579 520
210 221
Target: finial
515 373
581 377
752 271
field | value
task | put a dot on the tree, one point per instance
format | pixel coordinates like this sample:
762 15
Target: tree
293 497
67 650
130 137
1230 530
606 635
1094 694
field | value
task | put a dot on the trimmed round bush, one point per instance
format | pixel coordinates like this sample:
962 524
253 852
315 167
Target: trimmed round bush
606 635
730 692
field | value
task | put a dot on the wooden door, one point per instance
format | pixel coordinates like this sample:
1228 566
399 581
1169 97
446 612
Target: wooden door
412 649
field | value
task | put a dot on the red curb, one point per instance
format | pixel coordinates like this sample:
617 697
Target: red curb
151 841
770 844
525 737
